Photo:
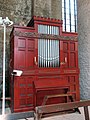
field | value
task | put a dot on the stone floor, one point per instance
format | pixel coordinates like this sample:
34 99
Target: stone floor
71 116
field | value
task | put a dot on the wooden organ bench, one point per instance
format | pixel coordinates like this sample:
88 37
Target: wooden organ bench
45 109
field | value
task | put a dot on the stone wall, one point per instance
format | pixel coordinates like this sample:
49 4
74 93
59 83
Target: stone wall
48 8
84 46
56 9
16 10
42 8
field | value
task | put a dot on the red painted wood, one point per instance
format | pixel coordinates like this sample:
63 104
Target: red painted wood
28 90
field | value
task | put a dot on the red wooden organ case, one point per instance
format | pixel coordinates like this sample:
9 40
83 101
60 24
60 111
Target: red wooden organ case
48 58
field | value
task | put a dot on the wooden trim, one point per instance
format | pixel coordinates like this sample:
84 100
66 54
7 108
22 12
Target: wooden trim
44 36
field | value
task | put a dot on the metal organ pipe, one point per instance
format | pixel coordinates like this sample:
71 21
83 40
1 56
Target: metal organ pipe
48 50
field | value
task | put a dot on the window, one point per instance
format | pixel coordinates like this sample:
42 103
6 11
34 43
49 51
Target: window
69 15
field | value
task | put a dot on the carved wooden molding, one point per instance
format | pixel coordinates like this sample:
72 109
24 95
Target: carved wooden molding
44 36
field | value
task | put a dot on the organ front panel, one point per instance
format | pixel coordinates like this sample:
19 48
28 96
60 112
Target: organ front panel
48 58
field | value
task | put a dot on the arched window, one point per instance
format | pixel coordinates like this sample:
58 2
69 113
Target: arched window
69 15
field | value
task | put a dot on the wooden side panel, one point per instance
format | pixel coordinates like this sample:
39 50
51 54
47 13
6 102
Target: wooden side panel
23 93
24 53
70 56
20 53
73 81
66 53
30 53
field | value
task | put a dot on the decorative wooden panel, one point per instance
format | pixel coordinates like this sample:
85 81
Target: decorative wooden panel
66 53
73 81
24 53
70 53
23 93
30 53
20 51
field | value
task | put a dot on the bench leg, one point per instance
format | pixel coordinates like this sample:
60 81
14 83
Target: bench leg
86 113
77 110
37 116
44 100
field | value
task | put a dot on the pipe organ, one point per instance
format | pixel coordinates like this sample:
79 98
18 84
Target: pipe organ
48 59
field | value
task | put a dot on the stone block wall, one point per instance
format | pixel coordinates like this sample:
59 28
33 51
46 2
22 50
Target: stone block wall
48 8
16 10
